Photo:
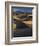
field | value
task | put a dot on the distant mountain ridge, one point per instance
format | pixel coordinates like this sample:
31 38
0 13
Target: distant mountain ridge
21 12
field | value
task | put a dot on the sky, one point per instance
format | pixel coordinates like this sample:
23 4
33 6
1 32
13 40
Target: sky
22 9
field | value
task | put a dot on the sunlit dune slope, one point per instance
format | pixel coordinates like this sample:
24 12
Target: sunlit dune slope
18 20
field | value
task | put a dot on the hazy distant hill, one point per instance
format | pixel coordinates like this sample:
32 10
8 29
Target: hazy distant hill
21 12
